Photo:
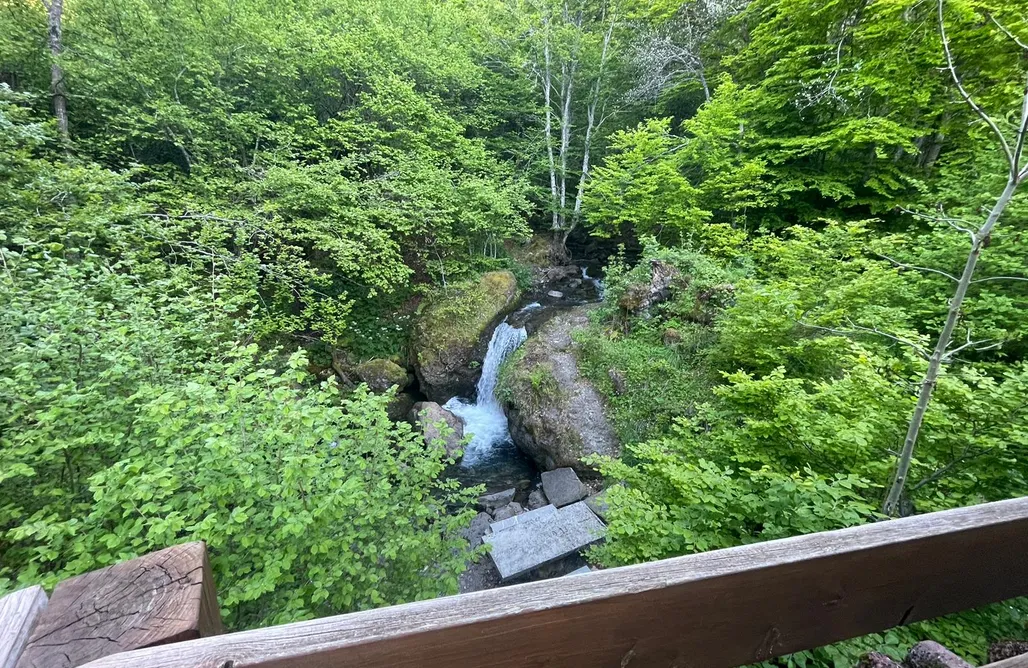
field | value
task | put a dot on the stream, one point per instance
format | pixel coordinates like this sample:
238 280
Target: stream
490 457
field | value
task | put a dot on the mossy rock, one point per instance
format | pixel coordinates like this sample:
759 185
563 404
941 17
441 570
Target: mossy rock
556 415
449 339
380 375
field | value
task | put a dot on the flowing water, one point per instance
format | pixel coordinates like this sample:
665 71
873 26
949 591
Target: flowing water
490 457
484 419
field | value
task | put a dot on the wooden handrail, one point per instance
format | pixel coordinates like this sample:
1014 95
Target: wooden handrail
717 609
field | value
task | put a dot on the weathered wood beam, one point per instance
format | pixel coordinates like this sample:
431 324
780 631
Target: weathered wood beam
163 597
712 610
19 613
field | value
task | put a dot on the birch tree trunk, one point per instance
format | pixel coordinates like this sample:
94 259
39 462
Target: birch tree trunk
547 84
591 126
941 351
54 11
979 240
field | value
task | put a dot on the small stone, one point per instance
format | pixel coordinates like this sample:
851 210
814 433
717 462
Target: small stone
400 407
491 502
930 654
479 527
617 379
598 504
508 511
562 487
537 499
556 294
671 336
878 660
1006 649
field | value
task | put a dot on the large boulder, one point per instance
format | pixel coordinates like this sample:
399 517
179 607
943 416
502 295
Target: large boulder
429 416
449 338
381 374
555 414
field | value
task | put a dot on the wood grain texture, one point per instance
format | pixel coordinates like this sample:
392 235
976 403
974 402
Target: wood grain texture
1019 661
19 613
718 609
164 597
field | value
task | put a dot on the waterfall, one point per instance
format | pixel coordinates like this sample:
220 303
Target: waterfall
597 283
484 419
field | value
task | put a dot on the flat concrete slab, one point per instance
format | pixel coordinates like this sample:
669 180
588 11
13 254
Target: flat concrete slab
524 546
524 518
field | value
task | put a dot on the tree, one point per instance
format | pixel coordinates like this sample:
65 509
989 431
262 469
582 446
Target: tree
54 12
673 52
571 48
1013 150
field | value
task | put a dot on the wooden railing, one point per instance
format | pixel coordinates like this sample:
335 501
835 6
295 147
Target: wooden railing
717 609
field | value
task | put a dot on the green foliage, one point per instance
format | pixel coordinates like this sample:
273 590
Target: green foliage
137 417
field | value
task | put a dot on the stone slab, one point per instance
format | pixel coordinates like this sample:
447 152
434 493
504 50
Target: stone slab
493 502
520 548
562 487
524 518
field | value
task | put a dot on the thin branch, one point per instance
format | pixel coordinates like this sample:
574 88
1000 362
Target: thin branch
999 278
917 268
192 216
952 222
1006 31
967 97
857 329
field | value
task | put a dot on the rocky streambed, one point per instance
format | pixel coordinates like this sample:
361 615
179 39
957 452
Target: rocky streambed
498 366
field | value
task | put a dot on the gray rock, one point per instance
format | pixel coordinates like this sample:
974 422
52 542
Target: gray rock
525 546
491 502
562 487
525 518
537 499
556 416
928 654
556 294
638 298
428 417
598 504
581 571
479 527
400 407
508 511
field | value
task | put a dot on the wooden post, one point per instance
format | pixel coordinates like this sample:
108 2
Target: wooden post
163 597
18 615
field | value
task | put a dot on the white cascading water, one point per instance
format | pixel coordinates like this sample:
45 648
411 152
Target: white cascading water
484 419
597 283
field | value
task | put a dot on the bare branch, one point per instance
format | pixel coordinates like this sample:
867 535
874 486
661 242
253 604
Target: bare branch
1006 31
952 222
967 97
999 278
917 268
857 329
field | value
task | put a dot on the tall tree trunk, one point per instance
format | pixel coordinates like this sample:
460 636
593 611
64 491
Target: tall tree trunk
54 11
939 355
591 125
979 240
547 84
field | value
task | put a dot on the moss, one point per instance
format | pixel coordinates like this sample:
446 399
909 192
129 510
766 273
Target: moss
457 316
381 374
